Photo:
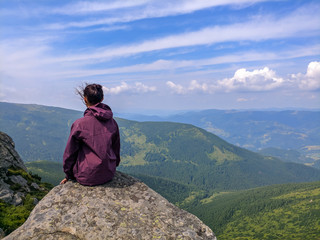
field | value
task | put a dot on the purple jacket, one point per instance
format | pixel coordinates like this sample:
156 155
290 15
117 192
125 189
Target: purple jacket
93 149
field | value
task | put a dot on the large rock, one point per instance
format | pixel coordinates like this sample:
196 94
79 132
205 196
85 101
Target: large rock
124 208
17 187
10 159
8 155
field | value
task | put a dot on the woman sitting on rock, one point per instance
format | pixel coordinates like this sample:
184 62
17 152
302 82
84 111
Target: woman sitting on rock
93 149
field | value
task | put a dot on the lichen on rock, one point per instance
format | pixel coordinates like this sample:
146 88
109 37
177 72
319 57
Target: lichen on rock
124 208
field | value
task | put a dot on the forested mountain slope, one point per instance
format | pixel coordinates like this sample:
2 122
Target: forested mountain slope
294 135
189 166
288 211
174 151
191 155
253 129
39 132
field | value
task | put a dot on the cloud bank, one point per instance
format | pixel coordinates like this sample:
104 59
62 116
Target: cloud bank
258 80
310 80
253 30
128 11
138 87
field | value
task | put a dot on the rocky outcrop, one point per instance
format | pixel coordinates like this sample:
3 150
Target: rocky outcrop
8 155
12 185
18 188
124 208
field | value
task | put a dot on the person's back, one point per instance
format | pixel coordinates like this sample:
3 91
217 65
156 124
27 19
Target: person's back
93 149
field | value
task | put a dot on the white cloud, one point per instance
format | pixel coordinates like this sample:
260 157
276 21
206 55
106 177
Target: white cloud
253 30
26 58
142 88
176 87
116 90
138 87
157 66
310 80
254 81
242 100
85 7
194 86
118 12
127 11
243 80
160 65
257 80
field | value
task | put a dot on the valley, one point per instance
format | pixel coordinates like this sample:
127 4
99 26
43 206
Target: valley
174 151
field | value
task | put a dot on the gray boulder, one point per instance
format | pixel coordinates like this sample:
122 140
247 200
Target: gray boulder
23 183
9 158
124 208
8 155
16 184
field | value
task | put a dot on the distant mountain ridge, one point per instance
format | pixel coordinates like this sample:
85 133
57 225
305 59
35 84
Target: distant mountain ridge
190 155
268 132
174 151
39 132
252 129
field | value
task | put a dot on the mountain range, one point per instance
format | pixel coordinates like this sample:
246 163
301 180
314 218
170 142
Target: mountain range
193 168
177 152
256 130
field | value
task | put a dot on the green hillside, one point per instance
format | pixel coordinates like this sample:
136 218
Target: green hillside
289 211
177 152
50 172
39 132
191 155
289 129
288 155
295 130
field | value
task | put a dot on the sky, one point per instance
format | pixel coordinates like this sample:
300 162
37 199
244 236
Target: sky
155 56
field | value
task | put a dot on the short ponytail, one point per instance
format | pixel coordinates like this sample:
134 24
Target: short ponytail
93 93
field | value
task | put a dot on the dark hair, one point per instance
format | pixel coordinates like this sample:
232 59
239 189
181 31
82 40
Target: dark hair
93 93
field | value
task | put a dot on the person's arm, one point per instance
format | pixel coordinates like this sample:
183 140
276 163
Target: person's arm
70 153
116 146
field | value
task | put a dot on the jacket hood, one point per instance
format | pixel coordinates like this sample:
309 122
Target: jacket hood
100 111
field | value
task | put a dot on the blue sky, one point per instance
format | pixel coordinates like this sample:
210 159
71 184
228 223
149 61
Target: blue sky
162 55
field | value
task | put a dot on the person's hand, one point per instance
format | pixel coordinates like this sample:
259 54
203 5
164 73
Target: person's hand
64 181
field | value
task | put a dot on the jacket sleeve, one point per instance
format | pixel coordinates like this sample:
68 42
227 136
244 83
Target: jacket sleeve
116 145
71 152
